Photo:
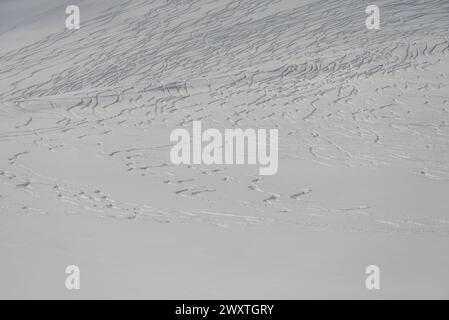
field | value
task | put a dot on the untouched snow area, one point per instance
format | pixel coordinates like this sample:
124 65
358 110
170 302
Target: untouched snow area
86 178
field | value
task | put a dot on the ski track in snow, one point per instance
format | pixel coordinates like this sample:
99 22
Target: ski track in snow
85 115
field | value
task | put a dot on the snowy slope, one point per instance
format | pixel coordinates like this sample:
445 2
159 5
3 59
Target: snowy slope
85 174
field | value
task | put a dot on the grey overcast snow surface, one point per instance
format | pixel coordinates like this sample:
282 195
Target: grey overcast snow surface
86 178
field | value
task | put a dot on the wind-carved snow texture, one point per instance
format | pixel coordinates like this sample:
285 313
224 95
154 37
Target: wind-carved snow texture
362 114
